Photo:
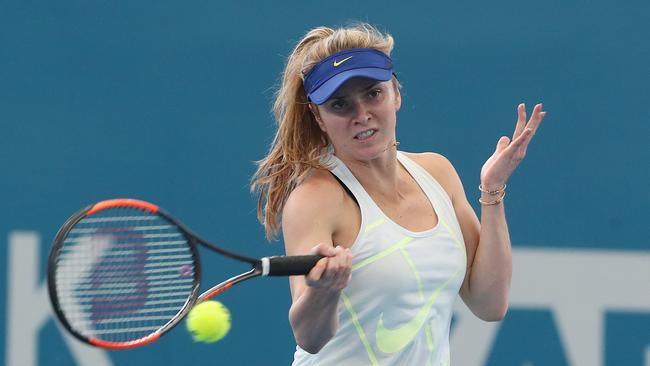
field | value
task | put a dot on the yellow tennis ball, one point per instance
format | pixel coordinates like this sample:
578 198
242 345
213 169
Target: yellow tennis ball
208 321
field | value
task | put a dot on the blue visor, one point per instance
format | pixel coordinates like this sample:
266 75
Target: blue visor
329 74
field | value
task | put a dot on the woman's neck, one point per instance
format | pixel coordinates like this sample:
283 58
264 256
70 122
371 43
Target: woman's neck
379 175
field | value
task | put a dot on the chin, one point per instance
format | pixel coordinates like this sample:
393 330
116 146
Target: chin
365 151
371 152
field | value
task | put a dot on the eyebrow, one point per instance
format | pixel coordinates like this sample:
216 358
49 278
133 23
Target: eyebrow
372 85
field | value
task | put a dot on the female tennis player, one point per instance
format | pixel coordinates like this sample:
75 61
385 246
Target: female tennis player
400 240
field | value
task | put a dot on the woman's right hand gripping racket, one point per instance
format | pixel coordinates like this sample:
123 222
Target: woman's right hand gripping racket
123 272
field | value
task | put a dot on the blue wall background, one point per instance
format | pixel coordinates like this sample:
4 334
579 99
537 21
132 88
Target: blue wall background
169 102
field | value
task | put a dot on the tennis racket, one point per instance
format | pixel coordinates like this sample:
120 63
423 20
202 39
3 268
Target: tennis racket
123 272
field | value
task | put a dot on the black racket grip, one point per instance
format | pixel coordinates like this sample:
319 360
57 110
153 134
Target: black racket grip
292 265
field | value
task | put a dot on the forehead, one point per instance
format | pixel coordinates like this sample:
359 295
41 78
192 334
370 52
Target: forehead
355 85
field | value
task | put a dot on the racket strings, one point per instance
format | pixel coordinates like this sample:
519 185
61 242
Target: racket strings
123 274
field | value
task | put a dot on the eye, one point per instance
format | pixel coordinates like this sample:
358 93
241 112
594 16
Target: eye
338 104
374 93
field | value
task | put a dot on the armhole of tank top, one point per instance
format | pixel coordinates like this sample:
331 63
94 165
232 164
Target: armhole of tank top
349 192
357 244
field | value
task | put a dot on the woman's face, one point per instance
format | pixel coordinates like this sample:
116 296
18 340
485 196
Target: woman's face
360 117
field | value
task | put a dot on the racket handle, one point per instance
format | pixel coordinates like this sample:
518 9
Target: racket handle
292 265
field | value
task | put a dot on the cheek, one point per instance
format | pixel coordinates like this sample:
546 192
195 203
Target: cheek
388 113
336 130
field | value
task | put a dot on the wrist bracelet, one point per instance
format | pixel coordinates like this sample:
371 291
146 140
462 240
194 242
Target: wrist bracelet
493 193
495 202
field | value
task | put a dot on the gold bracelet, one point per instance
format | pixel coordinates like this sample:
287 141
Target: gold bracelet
495 202
493 193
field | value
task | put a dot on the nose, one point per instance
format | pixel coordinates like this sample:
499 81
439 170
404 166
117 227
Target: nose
361 112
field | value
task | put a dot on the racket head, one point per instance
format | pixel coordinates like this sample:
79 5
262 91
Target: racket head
121 273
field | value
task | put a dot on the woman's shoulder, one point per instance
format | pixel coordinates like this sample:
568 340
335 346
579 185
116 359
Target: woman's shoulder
434 163
320 181
318 194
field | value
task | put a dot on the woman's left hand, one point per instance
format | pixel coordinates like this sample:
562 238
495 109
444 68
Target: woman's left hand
498 168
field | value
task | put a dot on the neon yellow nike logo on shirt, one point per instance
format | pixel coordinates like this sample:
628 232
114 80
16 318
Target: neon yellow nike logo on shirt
393 340
338 63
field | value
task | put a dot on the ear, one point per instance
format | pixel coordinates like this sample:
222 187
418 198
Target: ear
314 110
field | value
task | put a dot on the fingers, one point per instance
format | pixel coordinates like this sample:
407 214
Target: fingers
502 143
535 120
521 120
332 272
325 250
316 272
519 146
536 117
338 269
524 132
508 153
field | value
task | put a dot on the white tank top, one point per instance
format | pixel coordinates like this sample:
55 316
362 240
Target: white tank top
397 308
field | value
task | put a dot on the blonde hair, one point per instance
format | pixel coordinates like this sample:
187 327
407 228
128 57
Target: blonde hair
299 143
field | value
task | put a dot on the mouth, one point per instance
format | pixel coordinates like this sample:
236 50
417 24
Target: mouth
366 134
